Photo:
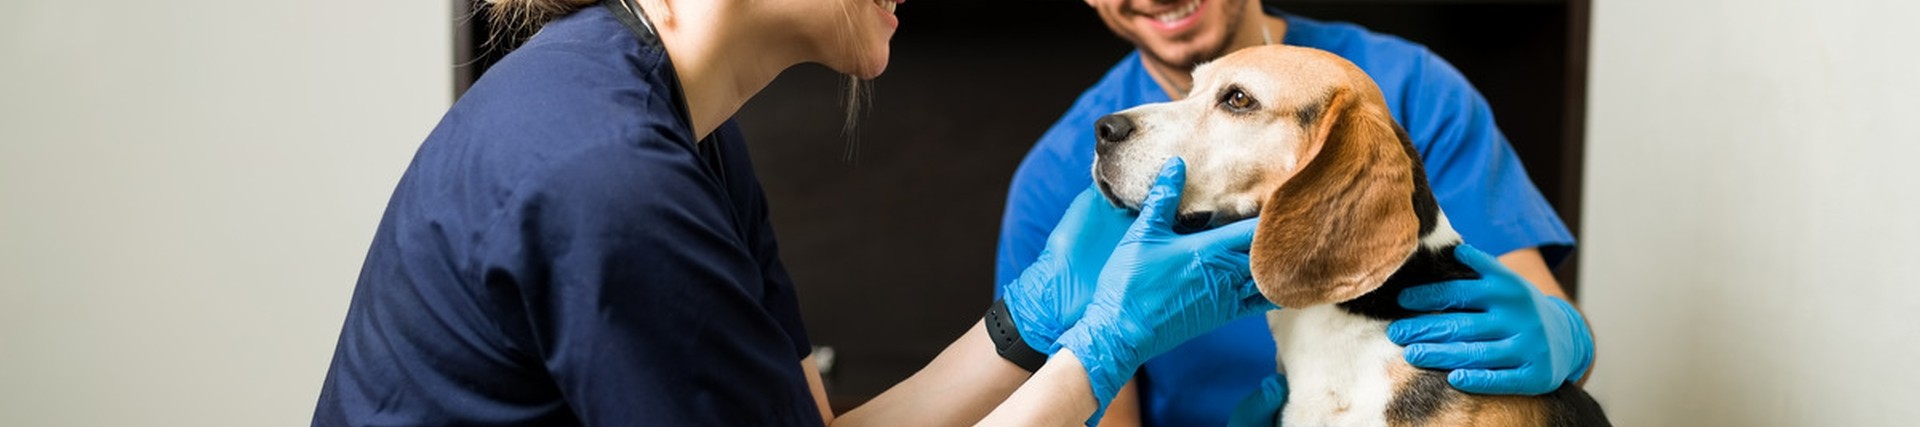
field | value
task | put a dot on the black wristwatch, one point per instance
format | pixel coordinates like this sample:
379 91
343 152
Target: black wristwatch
1007 341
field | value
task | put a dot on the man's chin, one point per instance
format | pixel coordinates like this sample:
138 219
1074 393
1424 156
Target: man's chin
1183 57
1188 52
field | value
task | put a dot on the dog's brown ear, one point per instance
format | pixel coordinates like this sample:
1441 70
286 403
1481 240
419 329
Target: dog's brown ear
1342 224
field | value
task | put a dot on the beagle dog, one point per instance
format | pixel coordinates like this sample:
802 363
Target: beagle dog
1303 139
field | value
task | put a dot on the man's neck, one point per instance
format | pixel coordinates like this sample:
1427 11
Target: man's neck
1256 28
719 69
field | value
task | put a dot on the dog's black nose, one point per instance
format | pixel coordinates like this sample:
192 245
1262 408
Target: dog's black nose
1113 128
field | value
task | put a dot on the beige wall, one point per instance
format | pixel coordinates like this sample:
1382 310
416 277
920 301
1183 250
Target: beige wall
187 189
1752 246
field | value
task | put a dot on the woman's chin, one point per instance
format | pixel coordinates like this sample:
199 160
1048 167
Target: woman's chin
873 71
867 69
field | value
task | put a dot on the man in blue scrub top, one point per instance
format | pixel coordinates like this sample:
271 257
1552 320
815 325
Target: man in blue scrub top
1475 175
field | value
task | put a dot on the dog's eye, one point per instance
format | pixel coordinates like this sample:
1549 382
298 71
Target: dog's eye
1236 100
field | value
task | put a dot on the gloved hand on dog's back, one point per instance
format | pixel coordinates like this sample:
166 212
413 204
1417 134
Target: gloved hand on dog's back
1498 334
1160 289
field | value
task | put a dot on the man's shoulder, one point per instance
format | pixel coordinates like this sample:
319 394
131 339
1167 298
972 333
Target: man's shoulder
1417 83
1360 45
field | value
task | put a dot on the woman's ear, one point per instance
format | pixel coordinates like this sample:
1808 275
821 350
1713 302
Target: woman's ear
1337 229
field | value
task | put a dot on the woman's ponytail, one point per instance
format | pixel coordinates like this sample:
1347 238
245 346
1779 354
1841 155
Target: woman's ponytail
513 21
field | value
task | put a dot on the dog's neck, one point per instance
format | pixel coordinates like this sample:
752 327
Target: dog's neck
1341 368
1433 261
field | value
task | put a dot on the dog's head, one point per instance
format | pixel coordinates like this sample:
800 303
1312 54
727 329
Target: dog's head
1300 137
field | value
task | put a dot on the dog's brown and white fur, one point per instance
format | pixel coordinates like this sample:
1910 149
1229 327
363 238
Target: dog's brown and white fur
1303 139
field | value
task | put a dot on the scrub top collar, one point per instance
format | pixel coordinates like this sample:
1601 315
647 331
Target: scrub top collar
641 26
636 21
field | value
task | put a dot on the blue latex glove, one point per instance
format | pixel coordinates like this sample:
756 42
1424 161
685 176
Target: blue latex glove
1262 408
1052 293
1160 289
1498 334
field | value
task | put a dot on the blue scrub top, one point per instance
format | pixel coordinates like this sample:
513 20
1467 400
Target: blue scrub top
564 251
1475 175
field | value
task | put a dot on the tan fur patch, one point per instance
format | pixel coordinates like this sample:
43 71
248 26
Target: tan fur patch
1499 411
1462 409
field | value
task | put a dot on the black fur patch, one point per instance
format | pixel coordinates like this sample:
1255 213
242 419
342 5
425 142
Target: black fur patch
1309 115
1425 266
1425 396
1570 406
1424 205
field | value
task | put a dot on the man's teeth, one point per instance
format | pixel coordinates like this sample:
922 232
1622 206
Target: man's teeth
1178 14
889 5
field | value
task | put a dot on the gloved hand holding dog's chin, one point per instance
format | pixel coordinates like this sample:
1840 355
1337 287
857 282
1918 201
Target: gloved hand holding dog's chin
1052 293
1498 334
1160 289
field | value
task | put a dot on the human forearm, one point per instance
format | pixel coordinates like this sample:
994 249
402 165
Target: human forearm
1058 395
1530 265
1124 411
959 387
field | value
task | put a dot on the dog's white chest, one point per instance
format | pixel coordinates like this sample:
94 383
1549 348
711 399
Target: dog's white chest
1336 364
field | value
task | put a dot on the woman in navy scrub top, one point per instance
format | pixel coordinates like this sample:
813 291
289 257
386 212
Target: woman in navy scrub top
582 241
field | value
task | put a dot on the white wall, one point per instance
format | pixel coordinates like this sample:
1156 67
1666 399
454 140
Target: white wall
1752 246
187 189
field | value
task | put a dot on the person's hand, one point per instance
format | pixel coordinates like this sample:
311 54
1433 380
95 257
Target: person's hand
1498 334
1052 293
1161 288
1262 407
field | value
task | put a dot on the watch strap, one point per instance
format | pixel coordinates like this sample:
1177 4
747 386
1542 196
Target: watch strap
1007 340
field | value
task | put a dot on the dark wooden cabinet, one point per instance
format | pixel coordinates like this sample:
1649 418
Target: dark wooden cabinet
893 246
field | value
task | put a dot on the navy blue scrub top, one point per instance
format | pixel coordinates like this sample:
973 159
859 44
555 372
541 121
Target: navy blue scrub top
563 250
